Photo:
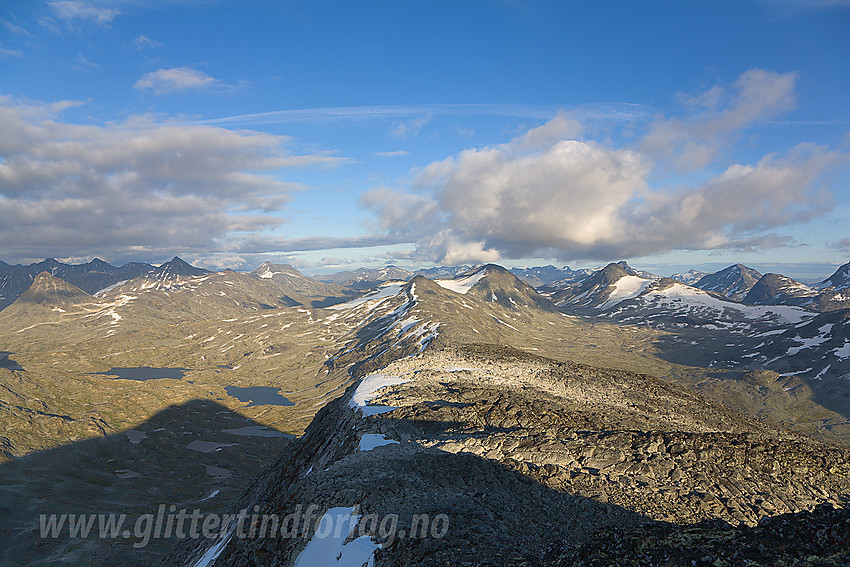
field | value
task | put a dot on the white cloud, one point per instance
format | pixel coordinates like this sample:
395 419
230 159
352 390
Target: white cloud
73 10
550 194
396 153
410 128
693 141
177 79
135 188
144 42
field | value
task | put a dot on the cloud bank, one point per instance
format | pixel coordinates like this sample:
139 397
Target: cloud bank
550 193
134 189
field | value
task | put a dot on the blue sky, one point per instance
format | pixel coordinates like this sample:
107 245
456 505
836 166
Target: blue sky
337 134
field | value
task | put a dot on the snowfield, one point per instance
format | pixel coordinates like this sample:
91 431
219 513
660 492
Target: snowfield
462 285
385 291
627 287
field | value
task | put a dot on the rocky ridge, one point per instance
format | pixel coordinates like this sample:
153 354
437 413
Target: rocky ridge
526 456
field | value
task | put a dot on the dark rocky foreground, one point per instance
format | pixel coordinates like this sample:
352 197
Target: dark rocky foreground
535 462
820 537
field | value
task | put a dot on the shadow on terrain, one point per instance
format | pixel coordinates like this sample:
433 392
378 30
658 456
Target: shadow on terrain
130 473
499 513
8 363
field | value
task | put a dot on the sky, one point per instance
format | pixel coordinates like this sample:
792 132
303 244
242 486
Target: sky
332 135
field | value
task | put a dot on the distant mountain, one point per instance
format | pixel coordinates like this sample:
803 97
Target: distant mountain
734 282
49 290
494 283
604 288
690 277
831 294
297 288
367 278
776 289
175 268
543 275
839 281
442 272
89 277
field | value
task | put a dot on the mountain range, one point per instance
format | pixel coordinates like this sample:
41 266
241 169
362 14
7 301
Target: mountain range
575 418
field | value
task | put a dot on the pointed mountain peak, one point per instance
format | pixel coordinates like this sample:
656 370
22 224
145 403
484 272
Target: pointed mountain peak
734 281
776 289
268 270
175 268
614 271
626 268
48 289
494 283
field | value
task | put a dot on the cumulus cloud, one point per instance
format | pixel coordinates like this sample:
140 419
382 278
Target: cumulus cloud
177 79
73 10
549 193
134 188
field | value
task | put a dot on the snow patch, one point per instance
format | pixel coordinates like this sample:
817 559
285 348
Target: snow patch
371 440
842 352
367 390
627 287
327 547
385 291
462 285
212 553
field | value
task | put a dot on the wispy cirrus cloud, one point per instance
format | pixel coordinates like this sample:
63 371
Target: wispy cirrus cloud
71 11
9 52
144 42
794 8
83 64
397 113
177 79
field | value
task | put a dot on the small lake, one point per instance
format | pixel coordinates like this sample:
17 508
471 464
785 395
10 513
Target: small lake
143 373
258 396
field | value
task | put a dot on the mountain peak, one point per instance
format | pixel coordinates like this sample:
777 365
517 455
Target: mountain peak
175 268
614 271
48 289
268 270
733 281
495 283
840 279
